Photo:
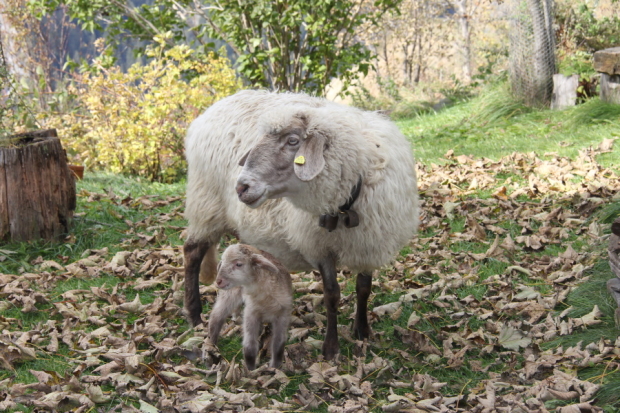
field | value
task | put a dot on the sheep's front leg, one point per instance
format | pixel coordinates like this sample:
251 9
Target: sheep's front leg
278 340
363 288
227 302
331 292
194 251
252 325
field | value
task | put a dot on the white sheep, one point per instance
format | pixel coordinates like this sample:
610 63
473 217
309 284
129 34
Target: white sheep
256 279
304 160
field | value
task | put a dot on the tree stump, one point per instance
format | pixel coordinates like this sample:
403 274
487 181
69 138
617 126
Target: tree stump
37 189
607 63
613 285
564 91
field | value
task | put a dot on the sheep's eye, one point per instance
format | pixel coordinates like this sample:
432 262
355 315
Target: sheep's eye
293 140
239 264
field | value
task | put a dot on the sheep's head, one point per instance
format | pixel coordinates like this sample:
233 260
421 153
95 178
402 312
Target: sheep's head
239 266
289 153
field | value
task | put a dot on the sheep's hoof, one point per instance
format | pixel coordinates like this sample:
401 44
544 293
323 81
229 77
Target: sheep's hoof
330 349
362 332
195 319
361 329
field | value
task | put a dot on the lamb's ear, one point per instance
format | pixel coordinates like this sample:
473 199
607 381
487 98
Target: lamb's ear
309 160
242 161
262 262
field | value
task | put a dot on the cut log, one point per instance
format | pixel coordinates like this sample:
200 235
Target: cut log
607 63
564 91
610 88
37 189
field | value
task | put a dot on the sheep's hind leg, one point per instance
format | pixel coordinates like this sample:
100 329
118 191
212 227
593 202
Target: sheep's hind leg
208 267
194 251
331 297
363 288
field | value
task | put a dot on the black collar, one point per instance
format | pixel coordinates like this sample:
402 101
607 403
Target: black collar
350 218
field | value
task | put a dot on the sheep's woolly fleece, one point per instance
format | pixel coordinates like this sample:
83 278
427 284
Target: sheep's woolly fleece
360 143
108 349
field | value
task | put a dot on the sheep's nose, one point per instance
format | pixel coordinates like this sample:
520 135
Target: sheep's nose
219 282
242 189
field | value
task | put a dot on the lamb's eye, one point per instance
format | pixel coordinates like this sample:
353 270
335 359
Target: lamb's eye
293 140
239 264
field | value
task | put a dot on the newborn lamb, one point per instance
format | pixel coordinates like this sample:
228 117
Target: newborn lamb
254 277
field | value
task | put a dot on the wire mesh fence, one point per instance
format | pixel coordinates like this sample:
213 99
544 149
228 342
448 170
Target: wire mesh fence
13 110
532 50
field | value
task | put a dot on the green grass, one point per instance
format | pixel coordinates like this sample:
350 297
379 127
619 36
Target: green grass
100 220
493 125
582 301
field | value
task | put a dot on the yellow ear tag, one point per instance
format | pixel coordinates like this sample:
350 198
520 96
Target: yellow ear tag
300 160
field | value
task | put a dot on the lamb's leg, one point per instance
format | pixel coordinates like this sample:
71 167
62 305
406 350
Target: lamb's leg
227 302
194 251
252 325
363 288
278 340
331 298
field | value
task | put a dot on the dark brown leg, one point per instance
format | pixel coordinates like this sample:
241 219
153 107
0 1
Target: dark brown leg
331 299
363 288
194 251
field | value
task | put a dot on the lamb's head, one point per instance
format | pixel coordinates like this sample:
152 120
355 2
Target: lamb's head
239 266
289 153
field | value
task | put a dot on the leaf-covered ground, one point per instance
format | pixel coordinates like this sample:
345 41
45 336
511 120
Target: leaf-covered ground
474 315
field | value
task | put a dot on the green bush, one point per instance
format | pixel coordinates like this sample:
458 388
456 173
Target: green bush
135 122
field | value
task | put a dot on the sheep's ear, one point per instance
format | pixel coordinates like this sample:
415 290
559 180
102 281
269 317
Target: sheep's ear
309 160
262 262
242 160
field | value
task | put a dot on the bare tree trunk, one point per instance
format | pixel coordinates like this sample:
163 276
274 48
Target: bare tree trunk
407 57
465 43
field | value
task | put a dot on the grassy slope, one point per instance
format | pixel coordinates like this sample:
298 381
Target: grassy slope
493 126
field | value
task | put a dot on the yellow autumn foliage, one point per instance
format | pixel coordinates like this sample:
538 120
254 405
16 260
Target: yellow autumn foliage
135 122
